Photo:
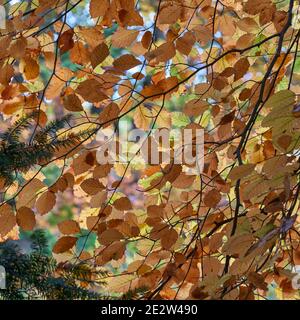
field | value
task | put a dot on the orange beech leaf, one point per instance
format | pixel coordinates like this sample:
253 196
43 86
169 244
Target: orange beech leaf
64 244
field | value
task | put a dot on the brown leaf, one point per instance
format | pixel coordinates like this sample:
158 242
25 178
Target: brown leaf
258 280
27 195
64 244
7 219
99 54
241 171
114 251
65 41
109 113
227 118
142 117
266 14
26 218
6 73
72 103
169 14
203 34
185 43
91 90
169 238
184 181
123 38
126 62
92 36
146 39
122 204
279 20
212 198
163 53
109 236
284 141
69 227
247 24
45 202
98 8
244 41
195 107
238 244
79 53
17 48
245 94
91 186
31 68
227 25
241 67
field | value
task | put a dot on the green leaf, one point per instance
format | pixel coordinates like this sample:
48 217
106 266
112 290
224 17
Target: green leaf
179 119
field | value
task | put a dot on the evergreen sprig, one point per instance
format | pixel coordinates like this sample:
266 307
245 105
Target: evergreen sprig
36 275
18 156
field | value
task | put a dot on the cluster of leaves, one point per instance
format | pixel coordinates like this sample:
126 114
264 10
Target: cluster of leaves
36 275
229 68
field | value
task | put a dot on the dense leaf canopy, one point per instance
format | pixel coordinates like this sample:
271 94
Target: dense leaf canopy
72 68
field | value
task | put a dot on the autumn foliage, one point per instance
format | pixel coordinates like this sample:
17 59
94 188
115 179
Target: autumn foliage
69 69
